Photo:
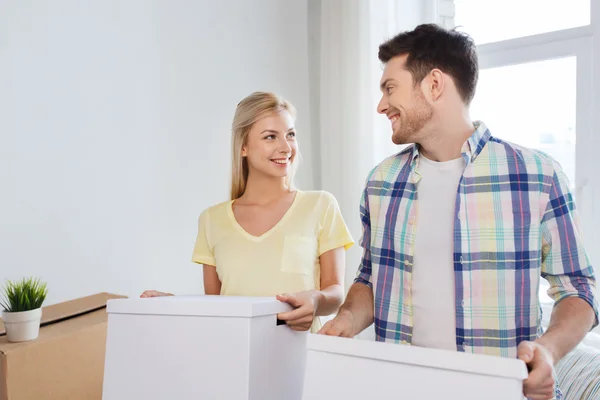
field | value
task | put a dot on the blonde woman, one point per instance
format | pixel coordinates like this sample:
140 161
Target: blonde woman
271 239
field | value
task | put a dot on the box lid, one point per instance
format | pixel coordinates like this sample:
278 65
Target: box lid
419 356
70 309
204 305
74 314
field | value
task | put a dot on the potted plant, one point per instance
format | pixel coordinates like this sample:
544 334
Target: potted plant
22 304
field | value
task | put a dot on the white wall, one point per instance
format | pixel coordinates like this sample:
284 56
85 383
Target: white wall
114 131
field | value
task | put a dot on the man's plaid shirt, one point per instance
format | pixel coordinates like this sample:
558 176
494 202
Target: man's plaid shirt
515 222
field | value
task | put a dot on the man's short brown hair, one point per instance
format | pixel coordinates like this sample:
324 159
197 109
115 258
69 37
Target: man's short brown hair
430 46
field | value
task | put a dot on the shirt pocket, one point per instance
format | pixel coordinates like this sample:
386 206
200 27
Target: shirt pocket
299 254
511 243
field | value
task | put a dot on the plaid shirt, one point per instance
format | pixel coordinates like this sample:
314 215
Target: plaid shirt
514 222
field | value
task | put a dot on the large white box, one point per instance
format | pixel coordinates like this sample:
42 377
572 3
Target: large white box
349 369
202 347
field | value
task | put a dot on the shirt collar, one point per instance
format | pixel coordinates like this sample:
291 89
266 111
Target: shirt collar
471 148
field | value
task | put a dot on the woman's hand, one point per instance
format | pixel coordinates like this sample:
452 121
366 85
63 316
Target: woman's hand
305 303
154 293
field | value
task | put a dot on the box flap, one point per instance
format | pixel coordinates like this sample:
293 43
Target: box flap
419 356
70 309
204 305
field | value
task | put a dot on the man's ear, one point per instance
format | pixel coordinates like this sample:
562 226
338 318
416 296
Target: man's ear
435 84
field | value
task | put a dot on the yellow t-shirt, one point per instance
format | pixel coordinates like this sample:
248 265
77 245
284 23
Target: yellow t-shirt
285 259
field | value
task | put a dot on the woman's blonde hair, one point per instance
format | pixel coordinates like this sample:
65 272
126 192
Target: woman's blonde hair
251 109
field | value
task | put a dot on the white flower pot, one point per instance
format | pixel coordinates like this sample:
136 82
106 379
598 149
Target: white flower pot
22 326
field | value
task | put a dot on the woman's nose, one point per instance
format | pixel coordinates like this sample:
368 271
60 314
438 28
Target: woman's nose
285 147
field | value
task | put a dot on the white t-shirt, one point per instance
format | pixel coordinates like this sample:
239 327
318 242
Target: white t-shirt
434 316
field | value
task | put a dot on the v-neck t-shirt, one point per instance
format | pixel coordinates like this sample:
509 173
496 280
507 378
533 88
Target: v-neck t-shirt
285 259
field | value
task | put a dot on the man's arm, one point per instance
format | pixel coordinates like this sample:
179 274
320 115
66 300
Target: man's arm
571 319
567 269
359 307
356 313
572 286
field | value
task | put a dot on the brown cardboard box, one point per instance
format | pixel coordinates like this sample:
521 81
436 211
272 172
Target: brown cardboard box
66 361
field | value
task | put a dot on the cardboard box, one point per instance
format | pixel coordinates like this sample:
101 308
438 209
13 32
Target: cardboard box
66 361
386 370
202 347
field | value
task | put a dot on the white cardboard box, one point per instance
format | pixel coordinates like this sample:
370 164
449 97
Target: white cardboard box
202 347
352 369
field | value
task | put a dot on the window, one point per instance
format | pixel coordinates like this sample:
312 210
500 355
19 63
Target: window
533 104
493 20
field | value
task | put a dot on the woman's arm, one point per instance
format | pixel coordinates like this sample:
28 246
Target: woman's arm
313 303
212 284
331 295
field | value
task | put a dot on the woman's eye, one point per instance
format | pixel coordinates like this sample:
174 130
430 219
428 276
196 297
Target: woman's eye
292 134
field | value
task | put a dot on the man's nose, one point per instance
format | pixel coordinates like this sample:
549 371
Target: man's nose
383 106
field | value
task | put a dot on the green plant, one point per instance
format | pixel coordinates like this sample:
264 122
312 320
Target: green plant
28 294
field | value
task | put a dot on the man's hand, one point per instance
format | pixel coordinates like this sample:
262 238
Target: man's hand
305 303
342 325
540 383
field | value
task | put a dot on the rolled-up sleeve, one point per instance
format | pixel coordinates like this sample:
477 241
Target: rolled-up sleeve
364 273
566 265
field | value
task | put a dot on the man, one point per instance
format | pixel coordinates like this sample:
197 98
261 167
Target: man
459 228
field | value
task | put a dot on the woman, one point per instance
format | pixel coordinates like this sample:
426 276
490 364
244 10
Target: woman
271 238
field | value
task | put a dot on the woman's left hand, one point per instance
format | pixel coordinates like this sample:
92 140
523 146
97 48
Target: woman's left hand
305 303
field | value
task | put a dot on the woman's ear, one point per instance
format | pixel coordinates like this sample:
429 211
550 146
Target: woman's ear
244 151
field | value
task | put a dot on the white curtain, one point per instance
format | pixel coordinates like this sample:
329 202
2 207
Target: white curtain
350 137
